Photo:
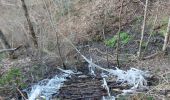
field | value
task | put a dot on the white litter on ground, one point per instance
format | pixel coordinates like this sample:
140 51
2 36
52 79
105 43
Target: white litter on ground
108 98
91 68
134 77
47 87
105 86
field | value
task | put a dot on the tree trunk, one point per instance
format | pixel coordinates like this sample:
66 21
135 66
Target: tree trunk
30 26
166 37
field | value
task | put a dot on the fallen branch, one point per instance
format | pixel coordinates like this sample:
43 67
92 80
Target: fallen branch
152 55
10 50
7 50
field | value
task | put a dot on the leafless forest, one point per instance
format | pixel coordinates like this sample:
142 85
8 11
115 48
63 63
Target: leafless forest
85 50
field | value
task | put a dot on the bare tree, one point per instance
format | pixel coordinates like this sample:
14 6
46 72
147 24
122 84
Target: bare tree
57 35
143 30
30 26
104 24
152 29
166 37
118 35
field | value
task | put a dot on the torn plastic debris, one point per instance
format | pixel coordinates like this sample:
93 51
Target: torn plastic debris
47 87
91 68
133 76
108 98
106 86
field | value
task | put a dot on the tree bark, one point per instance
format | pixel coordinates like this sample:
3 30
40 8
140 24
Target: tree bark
30 26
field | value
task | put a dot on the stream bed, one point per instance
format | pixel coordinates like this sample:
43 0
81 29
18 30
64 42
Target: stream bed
75 85
70 85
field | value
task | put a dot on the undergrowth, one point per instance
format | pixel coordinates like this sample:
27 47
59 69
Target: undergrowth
163 29
12 77
2 56
124 38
